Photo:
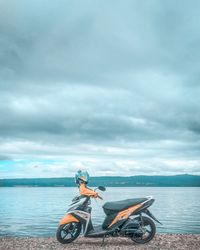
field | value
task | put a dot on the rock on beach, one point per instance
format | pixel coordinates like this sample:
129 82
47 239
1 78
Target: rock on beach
160 242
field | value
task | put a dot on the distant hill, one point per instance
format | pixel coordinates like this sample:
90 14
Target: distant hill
110 181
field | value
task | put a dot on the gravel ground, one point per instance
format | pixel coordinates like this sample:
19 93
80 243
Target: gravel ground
161 241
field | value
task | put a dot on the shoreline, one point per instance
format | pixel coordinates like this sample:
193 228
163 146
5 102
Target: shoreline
160 242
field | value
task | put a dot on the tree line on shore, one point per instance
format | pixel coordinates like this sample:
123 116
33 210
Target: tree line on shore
184 180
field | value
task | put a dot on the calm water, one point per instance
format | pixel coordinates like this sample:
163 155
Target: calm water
35 211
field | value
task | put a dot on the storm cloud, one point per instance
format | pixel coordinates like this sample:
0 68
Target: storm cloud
112 87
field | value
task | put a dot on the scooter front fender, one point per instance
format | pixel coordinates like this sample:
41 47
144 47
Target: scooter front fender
67 219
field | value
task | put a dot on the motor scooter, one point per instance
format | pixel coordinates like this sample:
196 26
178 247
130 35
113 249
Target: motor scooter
123 218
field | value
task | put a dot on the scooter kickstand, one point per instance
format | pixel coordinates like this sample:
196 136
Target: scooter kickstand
103 241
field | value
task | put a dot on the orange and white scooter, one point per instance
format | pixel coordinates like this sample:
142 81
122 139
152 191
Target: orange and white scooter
123 218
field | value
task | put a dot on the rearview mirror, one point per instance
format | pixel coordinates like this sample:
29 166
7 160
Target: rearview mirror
102 188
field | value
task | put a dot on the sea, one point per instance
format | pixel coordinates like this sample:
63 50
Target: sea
36 211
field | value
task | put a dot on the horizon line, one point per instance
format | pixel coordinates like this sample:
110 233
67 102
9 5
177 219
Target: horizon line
126 176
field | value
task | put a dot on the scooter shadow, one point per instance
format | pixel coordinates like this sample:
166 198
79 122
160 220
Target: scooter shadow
108 242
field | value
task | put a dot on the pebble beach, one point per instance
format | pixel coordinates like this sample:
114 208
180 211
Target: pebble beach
160 242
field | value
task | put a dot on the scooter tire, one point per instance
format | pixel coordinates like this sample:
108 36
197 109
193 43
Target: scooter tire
61 228
149 222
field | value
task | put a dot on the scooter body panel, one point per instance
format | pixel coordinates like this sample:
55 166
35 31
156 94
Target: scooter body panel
124 214
67 219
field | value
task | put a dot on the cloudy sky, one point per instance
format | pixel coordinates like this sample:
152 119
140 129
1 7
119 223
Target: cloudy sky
109 86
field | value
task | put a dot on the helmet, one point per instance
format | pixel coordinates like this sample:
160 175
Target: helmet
81 176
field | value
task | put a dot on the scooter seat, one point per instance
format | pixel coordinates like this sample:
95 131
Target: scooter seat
116 206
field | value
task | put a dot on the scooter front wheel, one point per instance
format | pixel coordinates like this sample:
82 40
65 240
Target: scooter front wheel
68 232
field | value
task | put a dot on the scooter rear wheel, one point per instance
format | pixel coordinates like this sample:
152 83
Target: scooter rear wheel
148 230
68 232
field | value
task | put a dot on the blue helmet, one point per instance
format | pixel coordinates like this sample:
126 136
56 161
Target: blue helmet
81 176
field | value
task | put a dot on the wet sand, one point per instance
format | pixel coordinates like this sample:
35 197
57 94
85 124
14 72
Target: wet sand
160 242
